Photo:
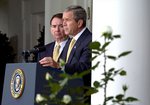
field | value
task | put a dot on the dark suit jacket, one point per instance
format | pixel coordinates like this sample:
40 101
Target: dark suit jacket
80 56
49 51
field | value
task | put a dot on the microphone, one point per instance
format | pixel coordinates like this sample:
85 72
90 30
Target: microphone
26 53
34 50
37 49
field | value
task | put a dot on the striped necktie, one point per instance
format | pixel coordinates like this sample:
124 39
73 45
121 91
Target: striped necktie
70 48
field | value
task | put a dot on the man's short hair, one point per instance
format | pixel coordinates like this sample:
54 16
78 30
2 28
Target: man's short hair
58 15
79 13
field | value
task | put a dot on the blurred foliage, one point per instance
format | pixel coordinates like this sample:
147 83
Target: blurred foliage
7 55
100 49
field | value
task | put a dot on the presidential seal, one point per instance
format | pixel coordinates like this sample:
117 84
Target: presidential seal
17 83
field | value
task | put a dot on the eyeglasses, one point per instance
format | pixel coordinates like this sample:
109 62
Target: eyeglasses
55 26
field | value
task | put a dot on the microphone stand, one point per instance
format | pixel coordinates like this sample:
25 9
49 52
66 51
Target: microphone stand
25 55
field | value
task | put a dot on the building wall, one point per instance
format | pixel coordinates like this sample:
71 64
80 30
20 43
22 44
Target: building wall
130 18
4 17
15 25
23 23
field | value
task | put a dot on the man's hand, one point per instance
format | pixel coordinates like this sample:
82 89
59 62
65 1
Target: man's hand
48 61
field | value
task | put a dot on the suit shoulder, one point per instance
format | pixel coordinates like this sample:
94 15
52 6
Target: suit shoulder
50 44
88 36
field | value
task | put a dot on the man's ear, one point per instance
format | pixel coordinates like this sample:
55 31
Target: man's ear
80 23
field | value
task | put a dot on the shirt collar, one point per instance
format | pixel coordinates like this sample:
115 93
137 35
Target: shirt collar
61 43
79 34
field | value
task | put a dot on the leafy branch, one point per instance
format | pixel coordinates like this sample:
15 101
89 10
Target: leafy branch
100 49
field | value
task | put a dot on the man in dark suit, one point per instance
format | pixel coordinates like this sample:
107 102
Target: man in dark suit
79 58
60 38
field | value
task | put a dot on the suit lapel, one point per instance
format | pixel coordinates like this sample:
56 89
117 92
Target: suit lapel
50 49
72 52
77 44
63 54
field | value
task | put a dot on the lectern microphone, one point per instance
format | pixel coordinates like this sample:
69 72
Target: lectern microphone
34 50
38 49
26 53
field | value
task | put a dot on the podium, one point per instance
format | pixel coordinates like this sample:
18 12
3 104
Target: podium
24 80
32 81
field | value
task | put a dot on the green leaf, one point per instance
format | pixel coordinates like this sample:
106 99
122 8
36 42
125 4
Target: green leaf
124 54
105 73
80 75
111 57
96 84
95 66
111 70
95 45
106 79
109 74
62 62
131 99
111 79
94 57
63 82
109 98
91 91
95 52
123 73
116 72
119 97
64 75
55 88
125 88
105 45
117 36
107 35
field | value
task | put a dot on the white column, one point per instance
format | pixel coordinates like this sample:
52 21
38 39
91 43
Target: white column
130 18
51 7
